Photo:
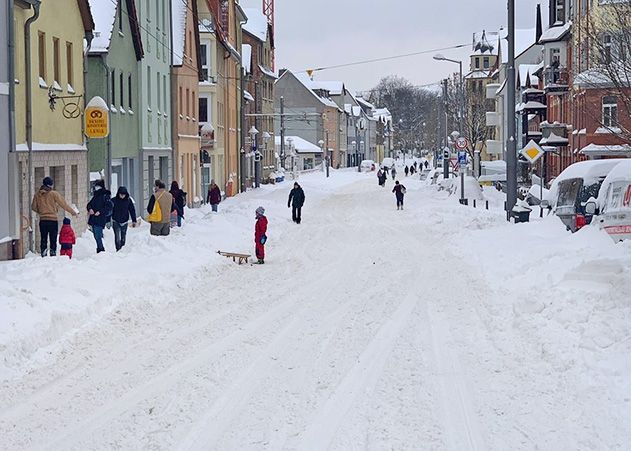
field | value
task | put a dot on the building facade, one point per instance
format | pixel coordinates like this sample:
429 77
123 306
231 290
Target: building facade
113 61
53 143
154 99
186 76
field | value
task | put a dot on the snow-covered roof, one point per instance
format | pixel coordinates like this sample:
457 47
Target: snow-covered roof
335 88
301 145
313 85
596 78
256 24
554 140
178 20
599 150
246 57
366 103
527 71
524 39
104 14
530 105
476 74
267 72
485 43
383 114
556 33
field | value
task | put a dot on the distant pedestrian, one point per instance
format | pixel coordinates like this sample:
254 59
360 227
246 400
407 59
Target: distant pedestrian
159 209
67 238
124 210
426 164
46 202
214 195
296 201
100 210
179 201
407 171
399 192
415 166
260 237
393 172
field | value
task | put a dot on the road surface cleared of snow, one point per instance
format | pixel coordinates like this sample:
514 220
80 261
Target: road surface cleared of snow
436 327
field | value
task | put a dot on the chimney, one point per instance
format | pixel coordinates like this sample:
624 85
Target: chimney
281 72
539 24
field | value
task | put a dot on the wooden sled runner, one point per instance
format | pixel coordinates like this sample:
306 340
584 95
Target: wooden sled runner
237 258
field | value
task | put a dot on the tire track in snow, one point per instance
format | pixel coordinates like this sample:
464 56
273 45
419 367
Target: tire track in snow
361 377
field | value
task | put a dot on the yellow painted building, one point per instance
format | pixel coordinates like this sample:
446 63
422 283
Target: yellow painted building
57 40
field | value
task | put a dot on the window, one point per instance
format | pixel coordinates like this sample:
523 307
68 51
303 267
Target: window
477 63
555 57
487 62
122 90
188 105
606 47
180 102
559 11
164 94
203 110
164 169
159 92
204 56
610 111
113 87
149 86
120 15
56 62
150 174
130 105
69 63
41 50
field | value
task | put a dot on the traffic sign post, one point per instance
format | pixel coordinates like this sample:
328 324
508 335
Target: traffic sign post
533 152
462 163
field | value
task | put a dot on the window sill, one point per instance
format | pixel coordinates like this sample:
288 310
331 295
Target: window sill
42 83
70 89
149 109
131 112
56 87
122 110
113 109
121 34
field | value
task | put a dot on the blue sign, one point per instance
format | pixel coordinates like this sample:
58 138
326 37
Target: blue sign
462 158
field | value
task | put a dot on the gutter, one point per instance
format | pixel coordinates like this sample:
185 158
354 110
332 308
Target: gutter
14 210
108 100
29 113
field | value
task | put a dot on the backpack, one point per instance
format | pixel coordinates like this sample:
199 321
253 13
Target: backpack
108 205
403 190
156 213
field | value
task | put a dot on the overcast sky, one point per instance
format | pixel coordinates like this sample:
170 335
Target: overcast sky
316 33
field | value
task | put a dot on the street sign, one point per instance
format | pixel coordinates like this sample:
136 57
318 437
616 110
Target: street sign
462 143
532 152
258 156
446 153
97 118
462 158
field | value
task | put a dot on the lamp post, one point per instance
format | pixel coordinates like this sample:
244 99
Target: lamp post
292 153
257 159
321 144
440 57
266 138
354 143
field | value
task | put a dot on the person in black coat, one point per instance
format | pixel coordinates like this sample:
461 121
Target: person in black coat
179 201
123 210
100 211
296 201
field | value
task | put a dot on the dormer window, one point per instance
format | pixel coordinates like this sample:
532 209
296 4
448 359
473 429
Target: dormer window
487 62
559 12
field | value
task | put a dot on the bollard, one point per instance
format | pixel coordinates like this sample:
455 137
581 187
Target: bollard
474 204
487 204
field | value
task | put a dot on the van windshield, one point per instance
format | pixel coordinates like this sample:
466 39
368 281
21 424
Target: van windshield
568 192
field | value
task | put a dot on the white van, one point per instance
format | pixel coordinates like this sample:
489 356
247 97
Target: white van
614 202
367 166
387 163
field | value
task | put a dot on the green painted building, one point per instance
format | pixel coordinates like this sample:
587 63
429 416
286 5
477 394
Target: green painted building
114 60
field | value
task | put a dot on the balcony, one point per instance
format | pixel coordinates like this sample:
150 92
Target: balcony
494 147
492 119
556 80
554 135
491 90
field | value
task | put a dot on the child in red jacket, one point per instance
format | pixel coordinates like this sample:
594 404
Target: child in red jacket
260 237
67 238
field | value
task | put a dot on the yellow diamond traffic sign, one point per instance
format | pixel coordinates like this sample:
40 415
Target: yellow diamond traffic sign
532 152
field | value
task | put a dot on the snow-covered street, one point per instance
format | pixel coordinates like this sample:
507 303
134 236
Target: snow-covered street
367 328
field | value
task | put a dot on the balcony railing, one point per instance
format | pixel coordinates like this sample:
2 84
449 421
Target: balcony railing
556 79
494 147
492 119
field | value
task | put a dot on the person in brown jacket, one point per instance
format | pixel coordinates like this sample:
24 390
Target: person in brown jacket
165 199
46 203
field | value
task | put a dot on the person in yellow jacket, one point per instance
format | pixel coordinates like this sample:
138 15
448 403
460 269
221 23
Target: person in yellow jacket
160 224
46 203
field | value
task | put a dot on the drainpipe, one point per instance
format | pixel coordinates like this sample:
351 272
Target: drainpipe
109 101
29 113
14 210
89 35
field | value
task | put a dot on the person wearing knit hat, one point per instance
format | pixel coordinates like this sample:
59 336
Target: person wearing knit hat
260 237
46 202
67 238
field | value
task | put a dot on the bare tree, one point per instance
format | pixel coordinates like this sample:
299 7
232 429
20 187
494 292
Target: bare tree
414 111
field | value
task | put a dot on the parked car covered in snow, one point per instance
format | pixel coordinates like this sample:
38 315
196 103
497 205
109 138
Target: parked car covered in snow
577 184
387 163
614 202
367 165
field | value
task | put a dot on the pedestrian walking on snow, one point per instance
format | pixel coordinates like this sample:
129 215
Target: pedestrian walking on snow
379 173
124 210
399 192
260 237
214 195
393 172
100 210
67 238
426 164
407 171
296 201
179 201
159 209
46 202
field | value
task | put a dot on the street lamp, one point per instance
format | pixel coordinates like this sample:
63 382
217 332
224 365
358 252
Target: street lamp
325 161
440 57
257 159
354 143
